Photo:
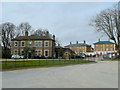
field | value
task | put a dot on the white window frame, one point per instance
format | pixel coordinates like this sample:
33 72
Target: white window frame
21 43
45 53
14 43
40 44
45 43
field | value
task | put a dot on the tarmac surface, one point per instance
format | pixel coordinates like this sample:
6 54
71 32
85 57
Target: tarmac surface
103 74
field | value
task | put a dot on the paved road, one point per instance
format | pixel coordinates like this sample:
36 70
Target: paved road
103 74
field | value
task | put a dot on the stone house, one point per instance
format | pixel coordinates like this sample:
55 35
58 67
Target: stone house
43 45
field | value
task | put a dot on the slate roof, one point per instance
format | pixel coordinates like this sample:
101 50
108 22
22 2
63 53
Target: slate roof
79 44
104 42
32 37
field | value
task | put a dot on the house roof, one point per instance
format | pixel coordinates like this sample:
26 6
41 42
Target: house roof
32 37
79 44
104 42
67 49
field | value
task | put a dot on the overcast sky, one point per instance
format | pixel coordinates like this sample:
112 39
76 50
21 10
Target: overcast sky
69 21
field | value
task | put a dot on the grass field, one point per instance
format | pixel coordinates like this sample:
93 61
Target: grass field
22 64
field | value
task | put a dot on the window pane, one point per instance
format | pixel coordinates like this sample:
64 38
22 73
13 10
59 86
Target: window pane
37 44
46 44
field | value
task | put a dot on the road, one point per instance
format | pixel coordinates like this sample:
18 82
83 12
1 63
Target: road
103 74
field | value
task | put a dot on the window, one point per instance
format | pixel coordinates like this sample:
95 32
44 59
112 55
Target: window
46 44
96 49
111 45
106 49
100 49
38 44
22 52
15 43
38 52
15 52
111 49
106 45
22 44
96 45
101 45
46 53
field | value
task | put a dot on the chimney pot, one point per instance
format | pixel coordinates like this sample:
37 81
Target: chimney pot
84 42
99 40
77 42
26 33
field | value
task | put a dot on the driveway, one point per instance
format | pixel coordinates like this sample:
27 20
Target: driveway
103 74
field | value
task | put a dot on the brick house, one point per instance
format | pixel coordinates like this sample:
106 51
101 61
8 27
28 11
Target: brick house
103 47
79 47
43 45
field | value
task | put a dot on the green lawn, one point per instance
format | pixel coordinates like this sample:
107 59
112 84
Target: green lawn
20 64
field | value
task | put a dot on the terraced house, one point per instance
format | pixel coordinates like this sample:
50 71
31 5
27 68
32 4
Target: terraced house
79 47
103 47
43 45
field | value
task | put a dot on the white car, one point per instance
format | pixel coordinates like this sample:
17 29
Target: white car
17 57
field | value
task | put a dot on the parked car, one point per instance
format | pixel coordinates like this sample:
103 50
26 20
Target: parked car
17 57
105 56
81 55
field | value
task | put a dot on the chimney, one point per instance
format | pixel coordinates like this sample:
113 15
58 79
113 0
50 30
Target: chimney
26 33
70 43
84 42
76 42
54 37
58 44
99 40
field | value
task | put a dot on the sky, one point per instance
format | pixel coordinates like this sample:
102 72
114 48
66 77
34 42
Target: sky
68 21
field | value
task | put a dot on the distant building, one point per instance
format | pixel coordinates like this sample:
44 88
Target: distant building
79 47
64 52
43 45
103 47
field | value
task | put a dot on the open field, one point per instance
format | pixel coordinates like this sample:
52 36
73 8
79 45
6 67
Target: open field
21 64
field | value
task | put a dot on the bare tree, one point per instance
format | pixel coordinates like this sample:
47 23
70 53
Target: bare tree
40 32
7 34
25 26
107 21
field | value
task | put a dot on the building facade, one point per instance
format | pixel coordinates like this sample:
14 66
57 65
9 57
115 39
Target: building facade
79 47
43 45
103 47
